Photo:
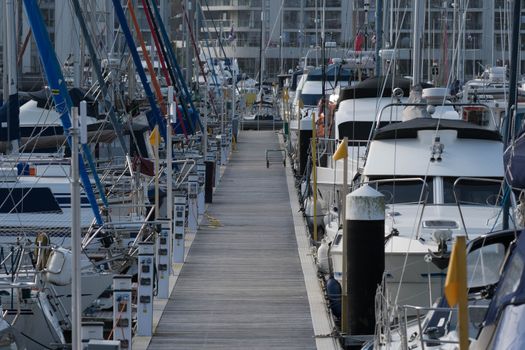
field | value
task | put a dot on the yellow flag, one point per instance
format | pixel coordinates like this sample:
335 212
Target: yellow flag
154 137
341 152
456 276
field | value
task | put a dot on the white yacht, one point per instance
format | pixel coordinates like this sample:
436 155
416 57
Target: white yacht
441 176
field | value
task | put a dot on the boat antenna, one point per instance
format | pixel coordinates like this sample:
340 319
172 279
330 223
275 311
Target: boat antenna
512 98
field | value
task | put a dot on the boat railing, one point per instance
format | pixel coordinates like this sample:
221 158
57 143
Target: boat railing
326 148
187 167
420 312
18 269
459 201
112 226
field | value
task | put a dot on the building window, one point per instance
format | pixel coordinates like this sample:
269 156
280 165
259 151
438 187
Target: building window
291 20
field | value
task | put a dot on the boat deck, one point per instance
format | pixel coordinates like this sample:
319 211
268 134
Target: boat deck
242 285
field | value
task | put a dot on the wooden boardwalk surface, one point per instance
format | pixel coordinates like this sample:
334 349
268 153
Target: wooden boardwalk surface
242 286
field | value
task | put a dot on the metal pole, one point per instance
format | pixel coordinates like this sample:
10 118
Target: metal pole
10 72
189 65
156 155
234 82
344 298
416 54
76 288
281 60
314 175
5 94
379 34
205 121
261 52
323 67
169 157
509 125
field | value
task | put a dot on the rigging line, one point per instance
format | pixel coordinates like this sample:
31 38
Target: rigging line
201 66
23 48
207 60
155 29
414 229
187 95
376 122
155 118
197 54
98 132
502 41
145 55
274 26
163 61
217 55
157 44
98 72
216 31
96 33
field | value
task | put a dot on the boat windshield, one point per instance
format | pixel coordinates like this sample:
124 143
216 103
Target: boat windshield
310 99
472 191
404 190
483 265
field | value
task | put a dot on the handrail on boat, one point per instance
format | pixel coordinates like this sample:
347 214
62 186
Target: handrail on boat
419 319
459 179
89 238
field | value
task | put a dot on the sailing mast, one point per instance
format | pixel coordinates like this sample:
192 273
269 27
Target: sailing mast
13 120
416 54
97 71
379 34
261 63
508 125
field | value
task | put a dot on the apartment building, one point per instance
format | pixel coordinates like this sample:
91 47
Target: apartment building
289 30
476 30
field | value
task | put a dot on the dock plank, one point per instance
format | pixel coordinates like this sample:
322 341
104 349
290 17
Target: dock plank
242 286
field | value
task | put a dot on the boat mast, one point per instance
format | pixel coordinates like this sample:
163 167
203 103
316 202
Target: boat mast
281 60
97 71
323 67
60 94
379 34
416 54
188 18
508 125
261 63
12 79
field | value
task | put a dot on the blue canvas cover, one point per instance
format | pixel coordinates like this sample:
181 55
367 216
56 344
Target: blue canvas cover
511 287
514 160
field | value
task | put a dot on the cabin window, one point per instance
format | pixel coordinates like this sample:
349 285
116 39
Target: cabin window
310 99
28 200
408 190
483 265
470 191
478 116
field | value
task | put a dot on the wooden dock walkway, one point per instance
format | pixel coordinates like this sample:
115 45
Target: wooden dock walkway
242 286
